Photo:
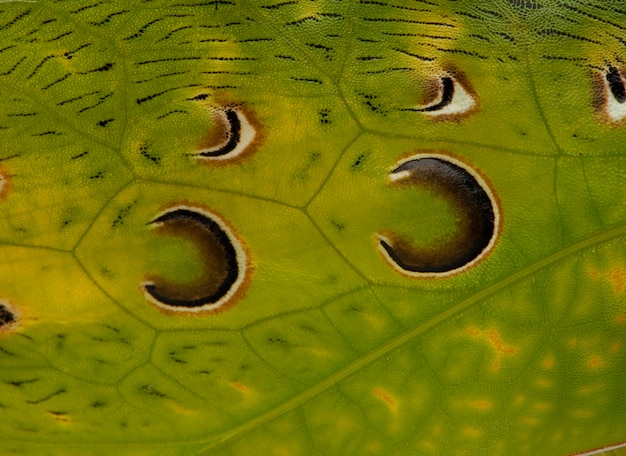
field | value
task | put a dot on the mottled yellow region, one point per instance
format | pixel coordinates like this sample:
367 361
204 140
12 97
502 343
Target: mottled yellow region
387 398
583 413
595 362
472 432
548 362
494 339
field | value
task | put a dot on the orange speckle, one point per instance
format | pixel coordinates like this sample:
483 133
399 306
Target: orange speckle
387 398
548 362
616 277
498 344
620 319
594 274
615 347
595 362
543 383
483 405
572 342
496 365
542 406
473 331
240 387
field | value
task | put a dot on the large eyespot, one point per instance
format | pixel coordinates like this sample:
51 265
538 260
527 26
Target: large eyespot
452 98
226 263
611 94
233 136
473 204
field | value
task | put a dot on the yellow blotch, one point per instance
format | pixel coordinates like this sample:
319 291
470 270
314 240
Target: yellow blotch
387 398
591 389
542 406
548 362
492 336
429 445
544 383
583 413
519 400
240 387
572 343
529 421
595 362
594 273
482 405
472 432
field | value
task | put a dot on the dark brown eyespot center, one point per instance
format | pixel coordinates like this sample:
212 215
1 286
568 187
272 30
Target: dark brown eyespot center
472 204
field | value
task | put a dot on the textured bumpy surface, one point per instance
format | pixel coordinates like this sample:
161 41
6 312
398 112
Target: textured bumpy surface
296 227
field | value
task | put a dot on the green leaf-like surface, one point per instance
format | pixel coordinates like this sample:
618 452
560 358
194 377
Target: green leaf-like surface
328 349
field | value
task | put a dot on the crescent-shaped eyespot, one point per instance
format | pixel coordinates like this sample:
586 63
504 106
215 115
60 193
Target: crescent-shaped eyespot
473 203
454 99
234 137
226 264
612 94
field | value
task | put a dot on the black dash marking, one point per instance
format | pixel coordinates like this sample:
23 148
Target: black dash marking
313 80
82 154
104 123
108 18
48 397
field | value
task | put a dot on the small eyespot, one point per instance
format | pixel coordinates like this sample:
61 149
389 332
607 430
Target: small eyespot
234 136
471 200
454 99
612 94
227 268
8 317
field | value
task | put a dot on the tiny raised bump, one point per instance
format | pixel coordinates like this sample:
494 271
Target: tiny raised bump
471 200
227 268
